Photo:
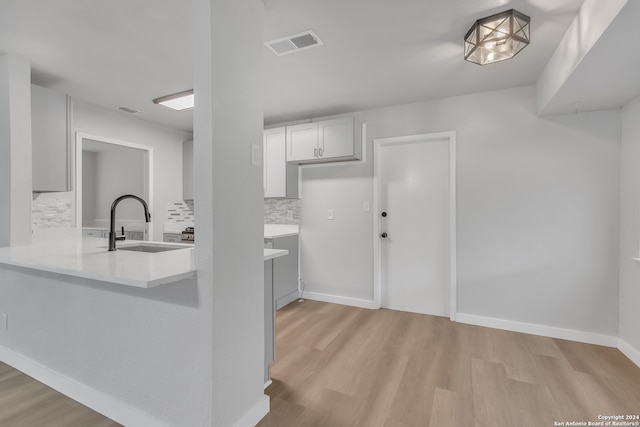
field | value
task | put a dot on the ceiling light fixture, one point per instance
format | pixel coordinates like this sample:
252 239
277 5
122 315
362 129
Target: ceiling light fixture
182 101
497 37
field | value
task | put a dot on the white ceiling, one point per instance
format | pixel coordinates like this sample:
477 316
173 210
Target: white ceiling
375 53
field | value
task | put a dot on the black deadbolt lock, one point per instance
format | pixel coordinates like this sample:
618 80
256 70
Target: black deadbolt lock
384 214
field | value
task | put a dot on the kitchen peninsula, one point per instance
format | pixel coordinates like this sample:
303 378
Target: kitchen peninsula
67 252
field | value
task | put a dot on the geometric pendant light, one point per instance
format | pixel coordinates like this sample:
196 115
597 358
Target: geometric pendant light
497 37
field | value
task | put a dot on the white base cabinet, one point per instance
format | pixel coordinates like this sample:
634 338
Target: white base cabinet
285 270
269 320
128 235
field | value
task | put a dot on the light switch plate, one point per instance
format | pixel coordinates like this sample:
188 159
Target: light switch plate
330 214
365 206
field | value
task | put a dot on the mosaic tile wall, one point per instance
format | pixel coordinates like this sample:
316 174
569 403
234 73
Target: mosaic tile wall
181 211
48 211
275 211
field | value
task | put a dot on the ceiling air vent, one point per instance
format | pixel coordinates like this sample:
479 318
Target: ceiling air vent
294 43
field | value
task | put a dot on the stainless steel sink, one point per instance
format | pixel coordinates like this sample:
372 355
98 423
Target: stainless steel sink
151 247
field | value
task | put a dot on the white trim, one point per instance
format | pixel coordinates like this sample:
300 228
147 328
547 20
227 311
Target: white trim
336 299
287 299
255 414
377 254
629 351
542 330
148 158
267 384
100 402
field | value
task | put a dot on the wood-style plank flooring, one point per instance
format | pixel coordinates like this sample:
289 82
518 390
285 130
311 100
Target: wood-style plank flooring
344 366
25 402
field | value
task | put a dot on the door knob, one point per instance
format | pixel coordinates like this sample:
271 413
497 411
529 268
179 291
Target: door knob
384 214
384 235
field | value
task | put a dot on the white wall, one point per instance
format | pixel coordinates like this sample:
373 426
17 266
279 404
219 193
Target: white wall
128 177
167 144
630 227
228 189
587 27
147 348
537 210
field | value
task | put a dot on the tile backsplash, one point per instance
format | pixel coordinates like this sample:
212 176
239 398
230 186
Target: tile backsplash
275 211
181 211
53 210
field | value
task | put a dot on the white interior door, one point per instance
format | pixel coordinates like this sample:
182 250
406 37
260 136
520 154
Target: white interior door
414 208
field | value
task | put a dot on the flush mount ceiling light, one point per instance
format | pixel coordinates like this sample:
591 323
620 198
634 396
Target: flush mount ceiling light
182 101
497 37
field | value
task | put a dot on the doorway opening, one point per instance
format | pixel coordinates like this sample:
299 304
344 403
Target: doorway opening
105 169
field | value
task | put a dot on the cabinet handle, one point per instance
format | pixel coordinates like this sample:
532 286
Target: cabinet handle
315 152
320 151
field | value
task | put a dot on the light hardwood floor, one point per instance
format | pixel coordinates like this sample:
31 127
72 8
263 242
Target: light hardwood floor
25 402
343 366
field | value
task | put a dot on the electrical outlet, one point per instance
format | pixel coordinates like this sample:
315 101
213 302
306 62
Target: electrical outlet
330 214
290 215
4 322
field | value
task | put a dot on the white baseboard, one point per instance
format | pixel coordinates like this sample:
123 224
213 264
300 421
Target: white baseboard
100 402
545 331
629 351
282 301
255 414
354 302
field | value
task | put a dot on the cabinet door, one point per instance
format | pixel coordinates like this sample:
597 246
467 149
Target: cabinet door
172 238
275 162
302 142
187 170
335 138
136 235
50 130
92 233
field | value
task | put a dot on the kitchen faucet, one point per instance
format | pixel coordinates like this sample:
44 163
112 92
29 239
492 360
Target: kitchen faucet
112 230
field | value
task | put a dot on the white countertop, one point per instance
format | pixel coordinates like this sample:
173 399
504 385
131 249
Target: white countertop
274 253
273 231
67 252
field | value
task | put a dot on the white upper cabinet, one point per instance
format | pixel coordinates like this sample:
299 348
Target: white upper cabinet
324 141
187 170
280 178
302 142
51 139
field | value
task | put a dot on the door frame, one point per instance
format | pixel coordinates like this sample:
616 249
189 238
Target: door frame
148 184
450 137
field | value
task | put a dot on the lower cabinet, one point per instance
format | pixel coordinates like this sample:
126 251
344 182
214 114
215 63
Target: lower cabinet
129 235
172 237
135 235
91 232
269 320
285 270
